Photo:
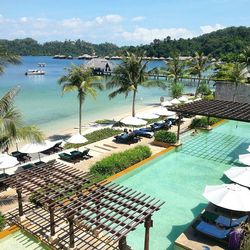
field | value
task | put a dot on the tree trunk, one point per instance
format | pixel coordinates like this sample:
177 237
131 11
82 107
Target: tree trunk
198 85
235 91
80 112
133 103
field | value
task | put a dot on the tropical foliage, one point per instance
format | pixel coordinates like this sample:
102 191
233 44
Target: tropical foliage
203 122
119 161
198 65
7 58
81 80
2 221
229 41
128 76
165 136
12 127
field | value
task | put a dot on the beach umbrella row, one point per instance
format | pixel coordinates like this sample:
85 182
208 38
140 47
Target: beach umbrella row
133 121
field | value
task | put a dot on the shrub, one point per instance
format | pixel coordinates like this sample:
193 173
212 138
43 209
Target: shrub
97 135
165 136
176 89
119 161
2 221
203 122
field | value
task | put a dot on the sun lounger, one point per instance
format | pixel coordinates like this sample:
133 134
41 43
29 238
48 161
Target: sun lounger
222 220
21 157
210 230
56 148
38 163
68 157
127 138
143 133
27 166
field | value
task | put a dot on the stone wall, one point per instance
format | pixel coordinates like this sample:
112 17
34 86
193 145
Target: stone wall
225 91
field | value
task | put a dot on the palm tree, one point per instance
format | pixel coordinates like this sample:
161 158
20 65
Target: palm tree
12 128
6 58
129 75
82 80
176 68
245 57
237 75
232 72
198 65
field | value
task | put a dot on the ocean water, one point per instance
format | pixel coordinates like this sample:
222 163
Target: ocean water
42 103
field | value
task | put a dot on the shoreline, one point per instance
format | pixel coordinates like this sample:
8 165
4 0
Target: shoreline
90 124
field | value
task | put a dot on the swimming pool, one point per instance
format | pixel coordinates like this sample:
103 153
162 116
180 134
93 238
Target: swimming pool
21 241
179 178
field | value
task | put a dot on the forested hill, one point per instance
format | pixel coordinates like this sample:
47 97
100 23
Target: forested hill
230 40
218 43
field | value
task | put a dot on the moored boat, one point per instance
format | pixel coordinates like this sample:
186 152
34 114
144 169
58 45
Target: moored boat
35 72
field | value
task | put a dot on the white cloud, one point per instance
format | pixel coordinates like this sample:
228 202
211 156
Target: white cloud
148 35
209 28
138 18
109 19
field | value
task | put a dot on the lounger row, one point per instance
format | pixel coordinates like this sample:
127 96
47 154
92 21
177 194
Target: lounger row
217 226
75 156
127 138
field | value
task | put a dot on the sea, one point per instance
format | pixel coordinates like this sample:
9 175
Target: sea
43 104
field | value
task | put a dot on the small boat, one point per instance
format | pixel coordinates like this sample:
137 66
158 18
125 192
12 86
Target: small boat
41 64
35 72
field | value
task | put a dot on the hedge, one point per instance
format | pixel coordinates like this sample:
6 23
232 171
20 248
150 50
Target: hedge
95 136
165 136
2 221
203 122
119 161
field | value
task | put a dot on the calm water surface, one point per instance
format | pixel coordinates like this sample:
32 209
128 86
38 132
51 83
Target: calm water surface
42 103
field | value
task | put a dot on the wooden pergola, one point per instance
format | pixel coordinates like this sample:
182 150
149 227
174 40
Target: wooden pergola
105 212
214 108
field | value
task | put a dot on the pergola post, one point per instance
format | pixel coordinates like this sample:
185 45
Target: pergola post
122 243
53 235
178 130
71 232
148 223
20 205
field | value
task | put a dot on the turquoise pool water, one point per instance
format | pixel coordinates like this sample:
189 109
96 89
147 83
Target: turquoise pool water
179 178
20 241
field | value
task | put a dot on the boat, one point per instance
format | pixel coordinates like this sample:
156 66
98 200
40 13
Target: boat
35 72
41 64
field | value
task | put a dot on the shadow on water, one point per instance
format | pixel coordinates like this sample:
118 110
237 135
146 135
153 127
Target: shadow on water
234 154
177 230
59 137
225 180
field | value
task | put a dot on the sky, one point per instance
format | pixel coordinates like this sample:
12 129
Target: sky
123 22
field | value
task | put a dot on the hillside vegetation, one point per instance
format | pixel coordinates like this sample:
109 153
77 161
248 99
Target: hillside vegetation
228 41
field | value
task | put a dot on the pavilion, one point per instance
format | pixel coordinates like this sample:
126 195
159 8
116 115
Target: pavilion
71 211
213 108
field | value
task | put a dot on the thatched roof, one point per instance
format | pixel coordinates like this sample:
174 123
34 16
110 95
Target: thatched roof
99 63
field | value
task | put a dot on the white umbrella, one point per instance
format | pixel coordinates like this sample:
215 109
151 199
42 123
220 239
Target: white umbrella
166 103
245 159
32 148
183 99
147 116
189 101
198 99
240 175
175 101
163 112
248 149
133 121
77 139
7 161
229 196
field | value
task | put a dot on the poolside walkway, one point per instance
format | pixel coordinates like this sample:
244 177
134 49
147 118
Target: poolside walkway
98 150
